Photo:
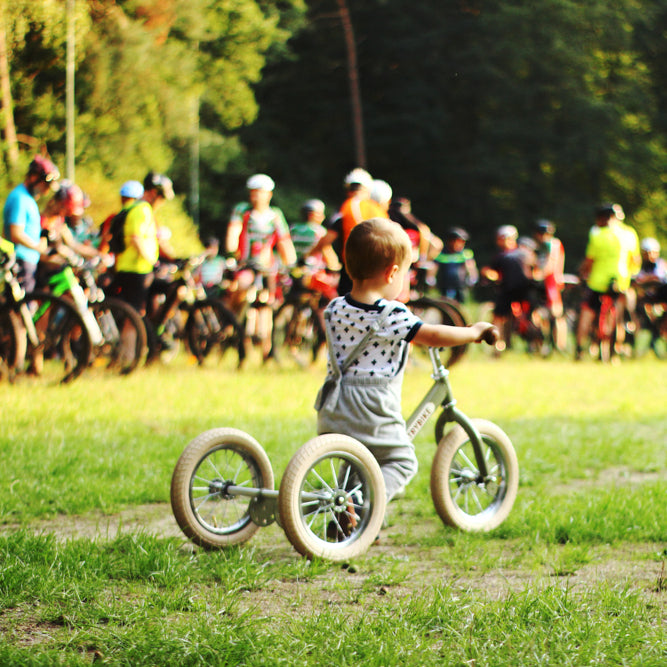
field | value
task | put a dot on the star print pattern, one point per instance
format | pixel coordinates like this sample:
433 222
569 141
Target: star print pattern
350 321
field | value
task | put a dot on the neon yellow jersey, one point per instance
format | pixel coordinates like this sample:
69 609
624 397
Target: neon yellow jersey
139 224
630 261
605 249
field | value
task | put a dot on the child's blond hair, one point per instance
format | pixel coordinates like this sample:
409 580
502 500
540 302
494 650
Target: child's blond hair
375 245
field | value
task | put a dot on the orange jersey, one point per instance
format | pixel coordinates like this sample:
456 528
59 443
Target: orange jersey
355 210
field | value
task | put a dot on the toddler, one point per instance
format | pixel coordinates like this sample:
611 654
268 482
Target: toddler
368 336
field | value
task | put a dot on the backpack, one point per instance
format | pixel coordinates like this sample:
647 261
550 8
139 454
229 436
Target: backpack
117 230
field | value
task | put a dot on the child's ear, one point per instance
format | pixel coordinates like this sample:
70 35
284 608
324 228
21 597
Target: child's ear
390 273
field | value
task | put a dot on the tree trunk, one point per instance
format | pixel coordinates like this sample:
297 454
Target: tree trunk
6 91
353 78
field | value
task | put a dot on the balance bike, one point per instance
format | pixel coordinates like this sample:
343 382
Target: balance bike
331 501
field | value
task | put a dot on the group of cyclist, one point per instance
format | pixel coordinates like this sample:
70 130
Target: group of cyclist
525 270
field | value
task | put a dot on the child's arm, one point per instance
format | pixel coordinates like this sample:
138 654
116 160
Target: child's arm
443 335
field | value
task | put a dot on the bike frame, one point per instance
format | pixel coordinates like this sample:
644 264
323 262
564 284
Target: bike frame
440 394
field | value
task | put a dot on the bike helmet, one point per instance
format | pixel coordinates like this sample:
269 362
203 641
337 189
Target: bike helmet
312 205
649 245
359 176
456 233
605 211
544 226
132 190
507 232
44 168
72 198
381 191
161 183
260 182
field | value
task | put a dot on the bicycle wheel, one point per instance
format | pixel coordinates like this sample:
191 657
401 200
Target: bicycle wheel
461 497
298 333
124 333
332 498
442 311
64 343
215 460
165 345
211 326
13 344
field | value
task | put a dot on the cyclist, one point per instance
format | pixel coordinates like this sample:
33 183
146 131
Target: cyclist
599 270
320 271
512 275
629 265
130 192
255 229
67 201
357 207
21 217
550 268
457 270
134 264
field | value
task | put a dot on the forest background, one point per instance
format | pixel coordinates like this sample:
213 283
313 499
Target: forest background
481 112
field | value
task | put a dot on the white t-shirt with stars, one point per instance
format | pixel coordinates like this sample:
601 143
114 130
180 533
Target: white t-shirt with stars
349 321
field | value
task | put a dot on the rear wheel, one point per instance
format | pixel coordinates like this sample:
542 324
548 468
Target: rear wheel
12 344
207 511
332 498
442 311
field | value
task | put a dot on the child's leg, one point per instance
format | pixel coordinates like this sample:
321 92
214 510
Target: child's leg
398 465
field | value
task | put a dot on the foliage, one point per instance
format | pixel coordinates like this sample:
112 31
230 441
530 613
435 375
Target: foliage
481 113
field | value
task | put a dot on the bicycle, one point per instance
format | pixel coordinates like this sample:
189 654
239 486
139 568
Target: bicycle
181 310
298 329
40 327
222 487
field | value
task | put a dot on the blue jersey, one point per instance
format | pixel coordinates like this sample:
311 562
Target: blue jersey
21 209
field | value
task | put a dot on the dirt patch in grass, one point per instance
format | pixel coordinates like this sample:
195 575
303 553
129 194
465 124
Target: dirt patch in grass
393 571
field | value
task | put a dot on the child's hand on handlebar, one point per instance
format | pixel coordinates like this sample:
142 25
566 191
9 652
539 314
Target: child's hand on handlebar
489 333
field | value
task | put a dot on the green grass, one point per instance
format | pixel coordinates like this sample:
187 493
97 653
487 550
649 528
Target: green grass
575 575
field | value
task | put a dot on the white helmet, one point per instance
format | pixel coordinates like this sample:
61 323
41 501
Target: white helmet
359 176
381 191
507 232
260 182
649 245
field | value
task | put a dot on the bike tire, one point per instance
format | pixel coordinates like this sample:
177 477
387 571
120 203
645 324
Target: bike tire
62 335
212 326
340 474
298 333
442 311
13 344
118 319
206 514
460 498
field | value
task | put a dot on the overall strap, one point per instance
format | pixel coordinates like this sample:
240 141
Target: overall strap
356 351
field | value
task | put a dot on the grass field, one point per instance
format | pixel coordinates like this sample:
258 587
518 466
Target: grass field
93 568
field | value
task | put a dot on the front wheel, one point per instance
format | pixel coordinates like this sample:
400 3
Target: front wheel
124 343
207 510
462 498
211 326
63 340
332 498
